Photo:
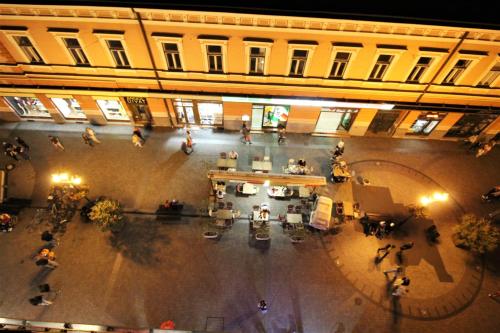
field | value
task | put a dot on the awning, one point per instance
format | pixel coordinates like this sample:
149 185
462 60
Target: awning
261 178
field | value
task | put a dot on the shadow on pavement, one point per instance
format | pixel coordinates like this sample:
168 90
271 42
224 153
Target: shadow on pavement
139 240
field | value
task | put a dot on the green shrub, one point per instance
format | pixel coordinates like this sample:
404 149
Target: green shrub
476 234
107 214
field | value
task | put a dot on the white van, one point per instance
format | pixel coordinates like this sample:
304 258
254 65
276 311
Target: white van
321 214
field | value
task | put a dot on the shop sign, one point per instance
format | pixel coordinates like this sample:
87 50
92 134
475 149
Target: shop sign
136 100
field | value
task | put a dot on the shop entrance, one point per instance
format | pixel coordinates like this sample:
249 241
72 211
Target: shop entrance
383 123
470 124
140 110
203 113
332 120
426 123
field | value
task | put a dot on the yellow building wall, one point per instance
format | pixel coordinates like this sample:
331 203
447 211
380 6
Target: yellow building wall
54 113
362 121
444 125
91 109
302 119
158 111
405 125
233 112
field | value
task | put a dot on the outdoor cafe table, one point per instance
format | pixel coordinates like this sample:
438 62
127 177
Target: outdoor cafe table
249 188
226 163
293 218
224 214
262 165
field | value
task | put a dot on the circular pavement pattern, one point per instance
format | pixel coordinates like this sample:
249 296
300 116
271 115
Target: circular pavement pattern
444 278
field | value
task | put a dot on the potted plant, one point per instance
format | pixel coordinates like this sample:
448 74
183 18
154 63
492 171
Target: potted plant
476 234
108 214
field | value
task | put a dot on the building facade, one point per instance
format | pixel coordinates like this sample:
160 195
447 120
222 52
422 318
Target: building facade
320 76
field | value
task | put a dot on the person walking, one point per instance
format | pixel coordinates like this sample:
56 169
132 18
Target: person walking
281 134
189 141
262 306
138 132
48 237
486 148
386 250
22 143
246 134
339 148
396 270
9 150
137 141
19 150
91 135
87 140
39 301
56 142
399 291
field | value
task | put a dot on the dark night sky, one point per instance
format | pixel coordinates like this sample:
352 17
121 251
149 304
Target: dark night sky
473 13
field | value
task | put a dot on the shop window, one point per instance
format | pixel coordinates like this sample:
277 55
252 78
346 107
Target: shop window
27 107
112 109
381 66
470 124
298 64
76 51
333 120
69 108
257 60
275 115
28 49
422 65
214 55
490 77
172 56
339 65
457 70
426 123
184 111
118 52
210 113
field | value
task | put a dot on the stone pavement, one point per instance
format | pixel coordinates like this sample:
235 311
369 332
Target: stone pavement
154 271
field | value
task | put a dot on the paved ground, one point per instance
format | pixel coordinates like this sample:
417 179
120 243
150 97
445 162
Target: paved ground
153 271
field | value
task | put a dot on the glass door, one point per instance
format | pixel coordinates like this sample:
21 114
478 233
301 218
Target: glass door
328 122
184 111
382 123
257 117
426 123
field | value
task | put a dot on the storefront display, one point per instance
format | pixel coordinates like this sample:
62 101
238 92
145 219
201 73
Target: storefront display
184 111
139 108
334 120
426 123
203 113
269 116
470 124
69 108
112 109
210 113
383 122
28 107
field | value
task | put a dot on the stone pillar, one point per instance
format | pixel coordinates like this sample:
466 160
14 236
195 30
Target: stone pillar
54 112
6 113
405 125
91 109
362 122
159 112
444 126
302 119
233 111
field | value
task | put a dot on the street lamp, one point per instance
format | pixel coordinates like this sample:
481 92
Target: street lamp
65 178
436 196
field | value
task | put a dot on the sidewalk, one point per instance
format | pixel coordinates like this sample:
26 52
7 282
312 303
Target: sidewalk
156 271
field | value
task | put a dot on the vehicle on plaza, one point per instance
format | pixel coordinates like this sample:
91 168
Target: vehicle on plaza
321 213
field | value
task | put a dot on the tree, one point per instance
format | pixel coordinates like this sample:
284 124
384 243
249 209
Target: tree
476 234
108 214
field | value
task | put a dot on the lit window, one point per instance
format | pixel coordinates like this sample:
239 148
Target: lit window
118 53
76 51
381 66
69 107
28 107
112 109
422 65
172 56
28 49
339 65
298 65
456 71
490 77
257 60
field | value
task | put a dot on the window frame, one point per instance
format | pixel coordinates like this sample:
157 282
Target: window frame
437 58
113 98
103 40
60 36
459 56
395 53
265 45
303 47
11 34
495 62
204 43
354 51
160 40
73 119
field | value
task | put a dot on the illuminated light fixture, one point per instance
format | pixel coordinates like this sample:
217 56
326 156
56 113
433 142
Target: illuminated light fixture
267 183
308 102
436 196
64 178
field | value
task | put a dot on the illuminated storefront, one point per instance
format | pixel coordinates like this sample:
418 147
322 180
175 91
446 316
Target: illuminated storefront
335 120
112 109
27 107
69 107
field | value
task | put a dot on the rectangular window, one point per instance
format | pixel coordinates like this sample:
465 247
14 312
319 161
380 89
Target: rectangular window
422 65
118 53
112 109
214 54
257 60
27 107
339 65
69 107
76 51
28 49
380 68
299 59
490 77
172 56
456 71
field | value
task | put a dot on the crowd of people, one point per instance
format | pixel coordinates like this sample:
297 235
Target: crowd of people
20 148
